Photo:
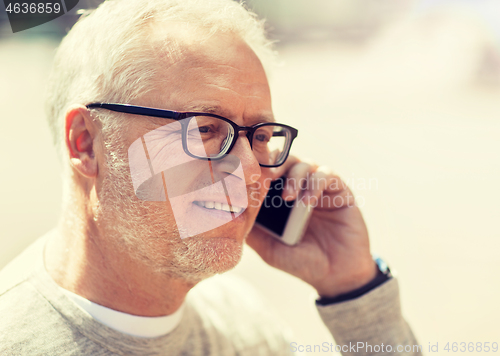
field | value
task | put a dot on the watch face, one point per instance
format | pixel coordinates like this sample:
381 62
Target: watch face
382 266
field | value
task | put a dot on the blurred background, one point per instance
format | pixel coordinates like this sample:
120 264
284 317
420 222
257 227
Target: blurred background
400 97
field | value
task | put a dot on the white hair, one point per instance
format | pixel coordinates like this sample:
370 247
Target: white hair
107 56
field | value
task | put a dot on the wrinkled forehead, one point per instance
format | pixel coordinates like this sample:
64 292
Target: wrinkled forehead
181 46
194 64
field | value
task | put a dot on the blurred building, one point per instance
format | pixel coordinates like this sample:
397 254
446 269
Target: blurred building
287 19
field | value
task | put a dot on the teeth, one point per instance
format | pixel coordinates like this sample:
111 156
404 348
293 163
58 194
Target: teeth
209 204
219 206
235 209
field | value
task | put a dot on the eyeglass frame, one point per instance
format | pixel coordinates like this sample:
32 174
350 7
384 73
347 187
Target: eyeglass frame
180 115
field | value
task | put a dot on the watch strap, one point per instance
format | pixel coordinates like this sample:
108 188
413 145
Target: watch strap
383 275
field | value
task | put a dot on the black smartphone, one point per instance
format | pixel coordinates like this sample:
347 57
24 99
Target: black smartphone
284 220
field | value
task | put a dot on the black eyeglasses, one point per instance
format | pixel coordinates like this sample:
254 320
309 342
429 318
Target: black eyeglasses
211 137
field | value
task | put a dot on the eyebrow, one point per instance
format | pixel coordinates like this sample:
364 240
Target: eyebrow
209 109
219 110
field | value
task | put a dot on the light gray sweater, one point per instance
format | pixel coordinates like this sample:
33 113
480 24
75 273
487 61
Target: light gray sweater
223 316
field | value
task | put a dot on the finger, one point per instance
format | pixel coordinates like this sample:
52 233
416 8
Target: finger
281 170
335 183
297 179
317 183
331 201
323 180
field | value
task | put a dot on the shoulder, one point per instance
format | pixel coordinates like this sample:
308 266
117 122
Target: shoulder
21 267
22 308
232 309
29 323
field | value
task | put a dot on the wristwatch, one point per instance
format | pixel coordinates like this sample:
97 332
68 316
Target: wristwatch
383 275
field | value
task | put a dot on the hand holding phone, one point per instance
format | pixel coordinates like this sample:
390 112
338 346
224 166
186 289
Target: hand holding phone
336 258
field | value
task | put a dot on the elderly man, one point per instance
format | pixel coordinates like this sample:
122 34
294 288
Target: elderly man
160 110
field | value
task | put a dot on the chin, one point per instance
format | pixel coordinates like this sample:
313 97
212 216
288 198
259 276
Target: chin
197 258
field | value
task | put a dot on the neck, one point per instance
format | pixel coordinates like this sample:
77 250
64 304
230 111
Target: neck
84 261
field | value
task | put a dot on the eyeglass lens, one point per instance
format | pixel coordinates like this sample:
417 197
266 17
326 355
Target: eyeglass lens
211 137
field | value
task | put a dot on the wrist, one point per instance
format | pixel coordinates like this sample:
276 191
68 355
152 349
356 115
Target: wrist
382 275
350 284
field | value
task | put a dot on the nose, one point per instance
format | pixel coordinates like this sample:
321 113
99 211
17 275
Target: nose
249 163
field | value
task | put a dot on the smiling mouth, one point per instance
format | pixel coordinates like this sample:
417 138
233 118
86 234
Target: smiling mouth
219 206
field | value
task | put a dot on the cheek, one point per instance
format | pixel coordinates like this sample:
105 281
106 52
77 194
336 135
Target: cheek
257 194
265 181
157 160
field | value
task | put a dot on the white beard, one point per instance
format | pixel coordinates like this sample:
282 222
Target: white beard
147 230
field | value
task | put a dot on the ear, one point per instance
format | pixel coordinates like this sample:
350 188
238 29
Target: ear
80 135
